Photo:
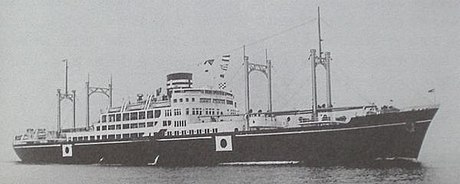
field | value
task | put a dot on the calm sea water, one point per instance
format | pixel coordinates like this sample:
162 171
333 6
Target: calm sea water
15 172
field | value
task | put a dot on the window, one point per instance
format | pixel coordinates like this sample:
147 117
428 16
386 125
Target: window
141 125
104 137
165 123
177 112
156 122
104 118
133 125
205 100
74 139
169 122
104 127
111 137
229 102
134 135
134 115
98 128
98 137
168 112
184 132
141 134
190 132
142 115
111 127
111 117
118 118
219 101
206 131
157 113
125 116
118 127
175 101
193 99
187 110
180 100
149 114
198 131
91 138
125 136
186 99
118 136
150 124
176 133
125 126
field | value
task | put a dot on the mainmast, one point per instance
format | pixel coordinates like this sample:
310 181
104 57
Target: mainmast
325 61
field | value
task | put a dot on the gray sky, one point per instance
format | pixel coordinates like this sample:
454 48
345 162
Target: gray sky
381 50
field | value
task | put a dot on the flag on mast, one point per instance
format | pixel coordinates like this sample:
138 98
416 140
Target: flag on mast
226 58
209 61
222 85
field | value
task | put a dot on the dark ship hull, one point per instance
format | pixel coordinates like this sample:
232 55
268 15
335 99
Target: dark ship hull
125 152
362 140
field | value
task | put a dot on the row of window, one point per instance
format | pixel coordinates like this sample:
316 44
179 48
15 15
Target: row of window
215 92
182 123
131 116
192 132
126 126
140 115
107 137
205 100
182 100
137 135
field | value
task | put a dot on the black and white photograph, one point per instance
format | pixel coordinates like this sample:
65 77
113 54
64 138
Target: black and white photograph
260 91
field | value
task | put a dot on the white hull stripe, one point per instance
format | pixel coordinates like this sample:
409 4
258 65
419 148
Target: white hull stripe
112 142
80 144
39 146
261 163
185 138
328 130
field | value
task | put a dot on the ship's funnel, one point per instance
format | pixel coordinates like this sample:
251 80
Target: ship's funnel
178 81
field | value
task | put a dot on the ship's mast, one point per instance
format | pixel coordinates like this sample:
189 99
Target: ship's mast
319 35
325 61
63 96
91 90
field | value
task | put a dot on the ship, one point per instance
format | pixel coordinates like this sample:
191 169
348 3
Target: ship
193 126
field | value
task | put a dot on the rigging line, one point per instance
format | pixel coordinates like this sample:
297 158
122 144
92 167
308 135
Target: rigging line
279 33
287 102
265 38
354 89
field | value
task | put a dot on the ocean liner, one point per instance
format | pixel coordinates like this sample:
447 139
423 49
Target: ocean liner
185 125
